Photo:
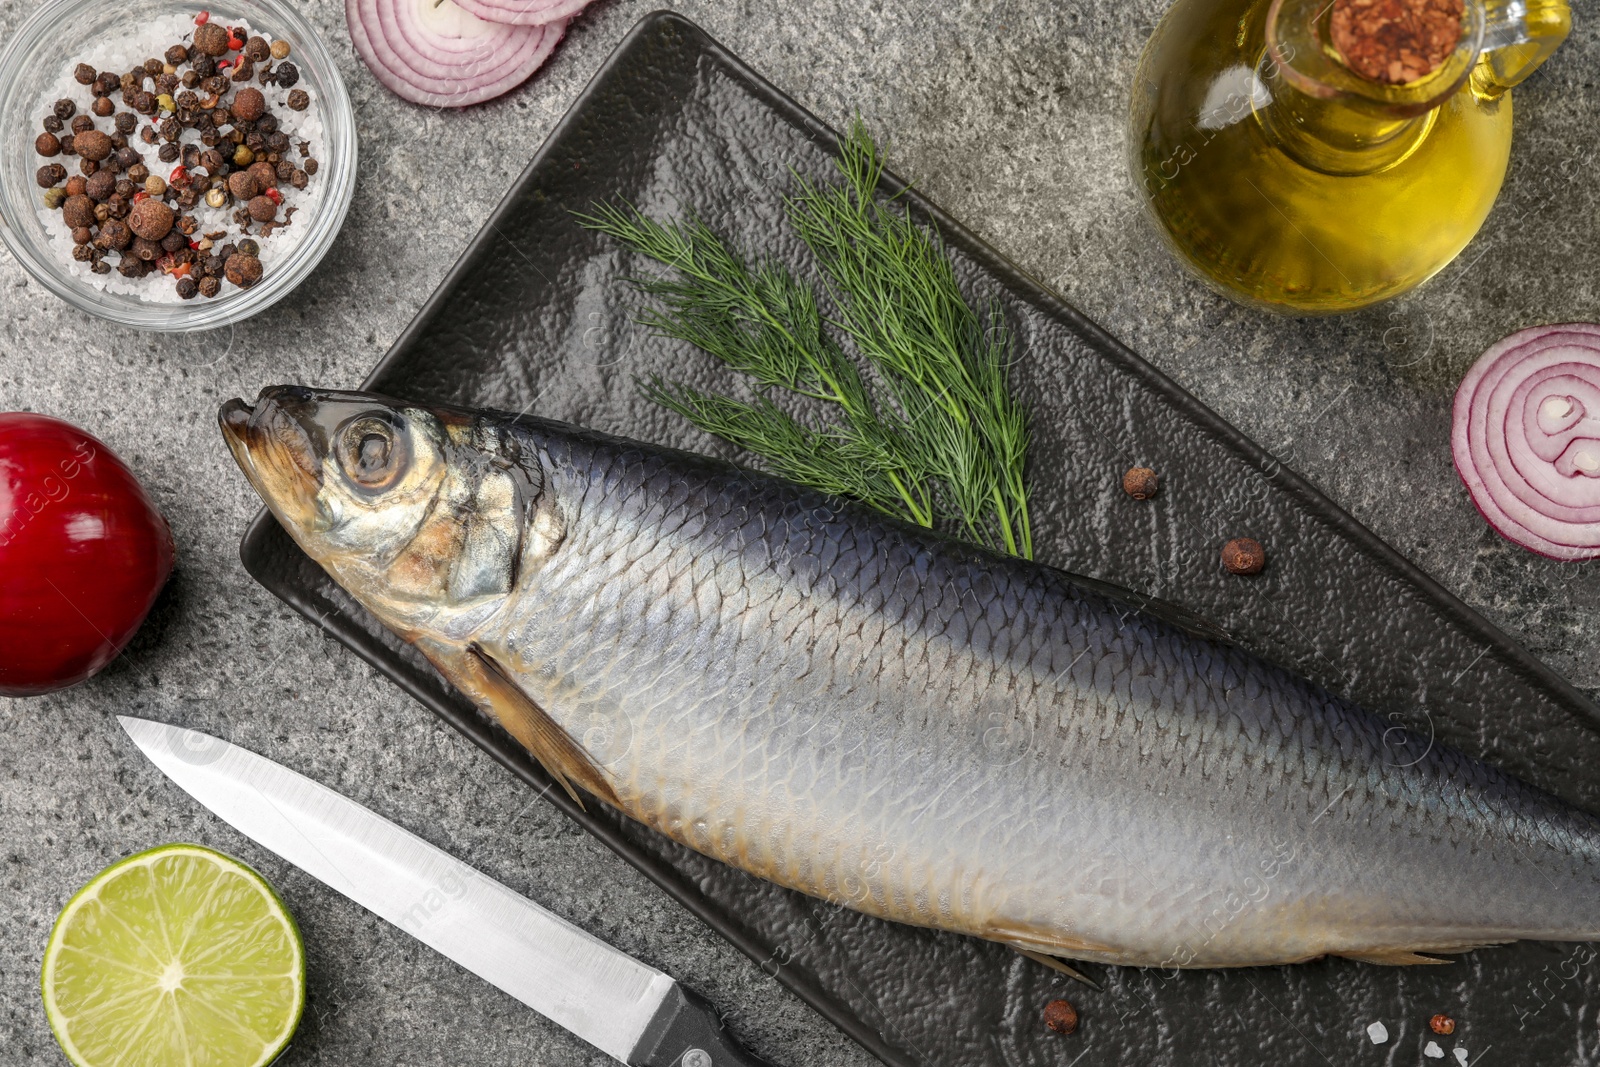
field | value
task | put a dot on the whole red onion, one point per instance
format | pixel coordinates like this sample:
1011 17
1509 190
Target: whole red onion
83 554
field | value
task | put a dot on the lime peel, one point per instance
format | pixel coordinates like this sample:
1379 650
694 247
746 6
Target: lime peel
178 955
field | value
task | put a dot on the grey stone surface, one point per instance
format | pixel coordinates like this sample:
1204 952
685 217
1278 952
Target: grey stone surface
1007 112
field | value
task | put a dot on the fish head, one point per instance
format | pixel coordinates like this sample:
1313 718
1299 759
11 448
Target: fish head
418 512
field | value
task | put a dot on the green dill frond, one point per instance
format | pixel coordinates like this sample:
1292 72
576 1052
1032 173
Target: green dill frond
943 442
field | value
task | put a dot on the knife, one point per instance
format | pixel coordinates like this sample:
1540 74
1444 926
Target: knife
630 1011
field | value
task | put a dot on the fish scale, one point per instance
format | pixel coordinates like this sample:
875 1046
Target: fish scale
874 714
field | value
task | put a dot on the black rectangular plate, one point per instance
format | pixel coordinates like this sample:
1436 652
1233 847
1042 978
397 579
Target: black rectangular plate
537 314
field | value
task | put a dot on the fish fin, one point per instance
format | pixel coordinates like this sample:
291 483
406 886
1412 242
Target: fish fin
1410 957
480 676
1058 965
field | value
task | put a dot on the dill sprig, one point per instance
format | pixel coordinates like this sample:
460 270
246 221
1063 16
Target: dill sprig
927 430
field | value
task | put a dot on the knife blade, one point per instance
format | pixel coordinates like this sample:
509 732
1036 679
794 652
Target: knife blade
627 1009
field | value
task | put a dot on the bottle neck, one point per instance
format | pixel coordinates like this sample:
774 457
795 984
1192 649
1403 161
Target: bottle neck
1339 136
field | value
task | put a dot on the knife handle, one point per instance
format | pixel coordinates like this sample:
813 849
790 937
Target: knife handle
686 1031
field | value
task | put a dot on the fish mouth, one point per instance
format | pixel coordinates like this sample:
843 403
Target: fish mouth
278 446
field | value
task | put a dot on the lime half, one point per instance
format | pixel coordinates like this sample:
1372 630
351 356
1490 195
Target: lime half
176 957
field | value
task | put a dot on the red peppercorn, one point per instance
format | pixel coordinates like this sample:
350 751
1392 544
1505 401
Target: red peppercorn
202 18
179 177
140 195
273 195
1442 1024
1061 1016
224 64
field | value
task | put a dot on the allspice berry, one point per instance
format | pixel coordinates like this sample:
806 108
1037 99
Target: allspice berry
47 144
1244 555
265 173
92 145
151 219
243 185
1061 1016
77 185
211 39
146 249
242 270
78 211
263 209
248 104
1140 483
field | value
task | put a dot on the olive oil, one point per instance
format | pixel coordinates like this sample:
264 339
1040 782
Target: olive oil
1310 201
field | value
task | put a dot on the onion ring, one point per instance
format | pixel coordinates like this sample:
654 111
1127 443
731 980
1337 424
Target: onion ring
1526 439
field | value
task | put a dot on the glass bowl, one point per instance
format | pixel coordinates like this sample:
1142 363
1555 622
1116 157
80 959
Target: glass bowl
58 34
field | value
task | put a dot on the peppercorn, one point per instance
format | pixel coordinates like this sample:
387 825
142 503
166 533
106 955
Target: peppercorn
153 65
249 248
1061 1016
83 74
102 212
100 266
155 185
118 142
92 145
114 235
244 70
126 157
151 219
242 156
1140 483
144 248
47 144
174 240
190 79
210 286
144 103
53 124
243 270
187 288
83 253
82 235
119 207
265 174
101 185
54 197
248 105
257 49
87 167
125 122
299 179
255 142
126 188
65 109
299 100
187 225
105 83
131 81
1442 1024
288 75
102 106
82 123
263 209
1244 555
168 83
169 153
212 265
311 166
188 199
243 185
138 174
220 117
133 267
280 49
177 55
165 103
50 174
191 156
282 171
278 142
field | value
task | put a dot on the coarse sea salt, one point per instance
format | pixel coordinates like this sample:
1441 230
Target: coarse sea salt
124 53
1378 1033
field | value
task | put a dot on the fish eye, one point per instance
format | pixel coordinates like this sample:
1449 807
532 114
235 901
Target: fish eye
372 452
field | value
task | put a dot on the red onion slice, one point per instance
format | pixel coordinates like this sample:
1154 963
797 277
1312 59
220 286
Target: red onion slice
524 12
1526 438
439 55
